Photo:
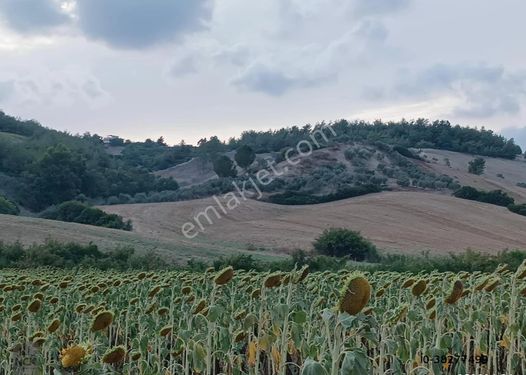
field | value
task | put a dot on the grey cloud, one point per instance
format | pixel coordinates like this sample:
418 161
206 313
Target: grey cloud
272 81
370 7
184 66
138 23
6 89
485 90
32 16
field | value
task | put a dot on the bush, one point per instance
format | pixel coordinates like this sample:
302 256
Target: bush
496 197
224 167
77 212
341 242
518 208
406 152
70 255
7 207
296 198
477 166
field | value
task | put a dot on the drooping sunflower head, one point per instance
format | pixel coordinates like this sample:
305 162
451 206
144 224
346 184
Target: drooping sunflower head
273 280
224 276
34 306
455 293
355 294
53 326
114 355
102 321
419 288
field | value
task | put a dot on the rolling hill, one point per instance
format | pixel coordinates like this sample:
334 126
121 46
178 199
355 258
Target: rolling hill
406 222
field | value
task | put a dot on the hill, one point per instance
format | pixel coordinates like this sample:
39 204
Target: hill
397 221
29 230
500 173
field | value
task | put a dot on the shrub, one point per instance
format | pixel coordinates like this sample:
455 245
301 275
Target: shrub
245 156
406 152
477 166
224 167
7 207
78 212
496 197
518 208
341 242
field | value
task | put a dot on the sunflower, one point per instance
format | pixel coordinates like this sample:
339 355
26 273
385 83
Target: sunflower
114 355
35 306
74 356
55 324
102 321
355 294
224 276
455 293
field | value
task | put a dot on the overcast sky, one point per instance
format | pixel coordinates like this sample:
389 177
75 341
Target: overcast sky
187 69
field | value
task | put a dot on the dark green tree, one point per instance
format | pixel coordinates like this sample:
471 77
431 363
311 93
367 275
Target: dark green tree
245 156
341 242
7 207
60 175
477 166
224 167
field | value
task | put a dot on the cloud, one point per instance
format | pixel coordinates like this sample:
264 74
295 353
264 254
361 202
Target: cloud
270 80
6 89
55 88
135 24
32 16
370 7
275 71
484 91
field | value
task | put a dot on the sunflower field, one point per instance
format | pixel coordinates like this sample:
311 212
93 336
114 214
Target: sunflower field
243 322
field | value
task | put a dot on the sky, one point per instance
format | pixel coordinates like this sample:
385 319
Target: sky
188 69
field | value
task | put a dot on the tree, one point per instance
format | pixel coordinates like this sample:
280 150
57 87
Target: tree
7 207
477 166
245 156
61 174
224 167
161 141
340 242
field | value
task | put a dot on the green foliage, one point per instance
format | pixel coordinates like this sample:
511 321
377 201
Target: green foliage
418 133
71 255
295 198
468 260
224 167
477 166
496 197
48 167
78 212
245 156
518 208
341 242
7 207
406 152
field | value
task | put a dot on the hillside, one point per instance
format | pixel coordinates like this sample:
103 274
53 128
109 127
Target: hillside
500 173
398 221
31 230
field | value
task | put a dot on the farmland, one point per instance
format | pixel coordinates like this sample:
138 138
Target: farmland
238 322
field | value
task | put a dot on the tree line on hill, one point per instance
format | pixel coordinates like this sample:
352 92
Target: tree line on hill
495 197
46 167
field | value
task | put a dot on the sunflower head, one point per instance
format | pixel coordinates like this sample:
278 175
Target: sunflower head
355 294
455 293
74 356
114 355
102 321
419 288
224 276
